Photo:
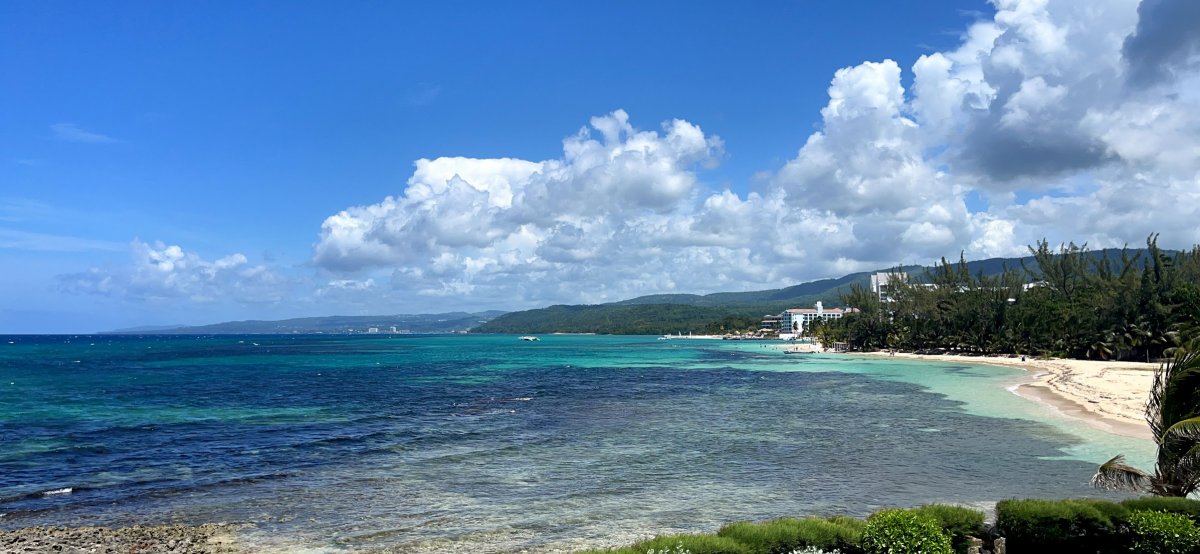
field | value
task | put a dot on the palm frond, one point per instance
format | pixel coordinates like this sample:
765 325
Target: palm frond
1116 475
1186 429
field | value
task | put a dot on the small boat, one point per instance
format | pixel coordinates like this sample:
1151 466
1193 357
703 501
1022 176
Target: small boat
530 338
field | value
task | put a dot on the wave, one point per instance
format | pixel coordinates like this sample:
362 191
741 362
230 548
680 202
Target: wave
39 495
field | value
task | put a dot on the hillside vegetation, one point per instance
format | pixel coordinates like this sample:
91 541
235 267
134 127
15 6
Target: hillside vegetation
713 313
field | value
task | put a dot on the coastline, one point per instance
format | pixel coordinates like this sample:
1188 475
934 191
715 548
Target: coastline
208 538
266 539
1106 395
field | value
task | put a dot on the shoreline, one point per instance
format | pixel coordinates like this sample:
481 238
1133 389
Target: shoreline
1105 395
208 538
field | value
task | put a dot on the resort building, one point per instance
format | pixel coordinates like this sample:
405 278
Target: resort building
883 284
771 324
794 321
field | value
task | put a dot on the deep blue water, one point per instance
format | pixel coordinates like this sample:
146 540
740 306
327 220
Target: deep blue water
485 443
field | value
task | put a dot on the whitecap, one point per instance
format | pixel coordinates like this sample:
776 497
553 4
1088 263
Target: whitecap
55 492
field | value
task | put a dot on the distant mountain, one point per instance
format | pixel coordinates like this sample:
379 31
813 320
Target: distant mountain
824 289
406 323
146 329
619 319
716 312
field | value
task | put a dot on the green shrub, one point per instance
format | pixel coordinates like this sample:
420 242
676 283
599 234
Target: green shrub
1162 533
1061 525
853 525
692 544
1171 504
957 521
1116 513
815 550
904 532
783 535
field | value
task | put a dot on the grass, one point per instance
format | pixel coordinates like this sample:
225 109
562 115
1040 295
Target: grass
780 536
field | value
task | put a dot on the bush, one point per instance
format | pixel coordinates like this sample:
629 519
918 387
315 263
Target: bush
1061 525
1170 504
783 535
692 544
815 550
1162 533
904 532
957 521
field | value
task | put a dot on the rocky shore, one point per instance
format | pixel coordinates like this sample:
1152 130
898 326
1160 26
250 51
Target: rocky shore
213 538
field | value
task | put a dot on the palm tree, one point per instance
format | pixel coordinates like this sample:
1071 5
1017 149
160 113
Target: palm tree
1173 413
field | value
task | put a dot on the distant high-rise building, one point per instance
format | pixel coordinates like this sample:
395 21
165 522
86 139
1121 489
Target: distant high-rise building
883 284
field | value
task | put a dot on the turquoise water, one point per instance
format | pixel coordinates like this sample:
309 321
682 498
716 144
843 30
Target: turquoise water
491 444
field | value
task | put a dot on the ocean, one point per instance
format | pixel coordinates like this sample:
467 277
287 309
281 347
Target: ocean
408 443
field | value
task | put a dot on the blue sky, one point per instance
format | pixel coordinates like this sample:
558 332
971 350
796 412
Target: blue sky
184 162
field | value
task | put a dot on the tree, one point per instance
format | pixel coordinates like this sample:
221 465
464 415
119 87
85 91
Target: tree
1173 413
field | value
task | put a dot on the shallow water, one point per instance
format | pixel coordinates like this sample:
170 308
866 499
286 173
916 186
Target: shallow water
491 444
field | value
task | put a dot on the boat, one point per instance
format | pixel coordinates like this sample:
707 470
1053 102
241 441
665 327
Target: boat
529 338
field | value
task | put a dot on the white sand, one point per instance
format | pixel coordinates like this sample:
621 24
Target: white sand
1110 396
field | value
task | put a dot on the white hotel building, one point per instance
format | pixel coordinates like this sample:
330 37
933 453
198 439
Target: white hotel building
795 320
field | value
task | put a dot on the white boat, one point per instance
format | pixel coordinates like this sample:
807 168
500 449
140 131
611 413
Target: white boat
530 338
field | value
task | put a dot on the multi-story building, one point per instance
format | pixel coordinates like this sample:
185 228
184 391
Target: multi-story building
795 321
883 284
771 324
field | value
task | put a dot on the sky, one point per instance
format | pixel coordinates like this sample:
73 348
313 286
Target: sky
171 163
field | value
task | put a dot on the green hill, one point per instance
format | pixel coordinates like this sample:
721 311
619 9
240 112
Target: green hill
411 323
716 312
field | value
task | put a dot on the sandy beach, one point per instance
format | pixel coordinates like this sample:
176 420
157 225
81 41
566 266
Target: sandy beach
1110 396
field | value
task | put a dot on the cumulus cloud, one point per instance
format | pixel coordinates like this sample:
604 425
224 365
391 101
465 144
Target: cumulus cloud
1053 119
1033 111
164 272
1166 42
1043 112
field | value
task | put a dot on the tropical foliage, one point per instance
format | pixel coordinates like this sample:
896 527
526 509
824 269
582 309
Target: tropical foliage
1173 413
1150 524
1067 302
904 532
1162 533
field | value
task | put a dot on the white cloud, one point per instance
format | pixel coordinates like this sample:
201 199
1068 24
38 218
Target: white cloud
71 132
1043 115
160 272
1033 111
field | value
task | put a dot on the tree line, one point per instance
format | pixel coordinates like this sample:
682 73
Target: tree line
1069 302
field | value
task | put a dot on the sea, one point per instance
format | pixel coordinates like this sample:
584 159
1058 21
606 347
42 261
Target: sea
488 443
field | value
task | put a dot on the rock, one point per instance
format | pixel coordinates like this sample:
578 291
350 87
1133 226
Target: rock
202 539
